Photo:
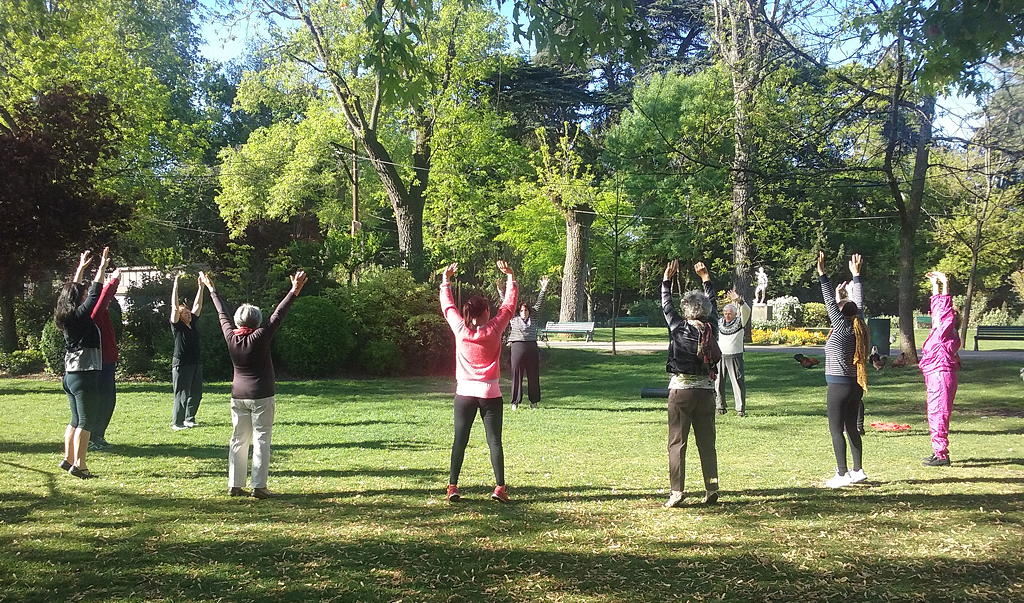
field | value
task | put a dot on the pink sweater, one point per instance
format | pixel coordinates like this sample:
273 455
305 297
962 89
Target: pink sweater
939 352
478 351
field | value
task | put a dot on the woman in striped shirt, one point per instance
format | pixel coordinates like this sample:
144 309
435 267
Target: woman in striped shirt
846 354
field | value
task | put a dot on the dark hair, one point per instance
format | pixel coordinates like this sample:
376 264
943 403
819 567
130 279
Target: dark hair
848 308
67 301
528 307
474 307
957 319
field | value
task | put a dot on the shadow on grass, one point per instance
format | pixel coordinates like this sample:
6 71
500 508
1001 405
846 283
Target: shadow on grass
207 451
989 462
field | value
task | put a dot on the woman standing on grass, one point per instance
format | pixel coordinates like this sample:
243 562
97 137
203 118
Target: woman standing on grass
83 362
477 370
522 339
940 364
731 329
253 386
186 368
108 344
846 375
693 356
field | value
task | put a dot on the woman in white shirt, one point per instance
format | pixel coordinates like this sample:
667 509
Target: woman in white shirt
731 328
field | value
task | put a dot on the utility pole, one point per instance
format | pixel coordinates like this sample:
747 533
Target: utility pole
615 266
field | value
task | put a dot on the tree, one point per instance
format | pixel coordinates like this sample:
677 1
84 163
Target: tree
49 196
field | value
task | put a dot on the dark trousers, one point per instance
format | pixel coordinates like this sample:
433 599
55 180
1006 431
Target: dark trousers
694 407
731 367
525 361
465 413
844 402
187 381
108 399
82 389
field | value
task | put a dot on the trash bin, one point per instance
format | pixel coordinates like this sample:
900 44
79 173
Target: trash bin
879 329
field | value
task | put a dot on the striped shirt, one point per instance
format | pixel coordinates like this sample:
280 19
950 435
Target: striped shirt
526 330
839 367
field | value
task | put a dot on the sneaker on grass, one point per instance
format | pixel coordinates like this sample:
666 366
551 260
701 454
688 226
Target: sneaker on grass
453 493
937 461
838 480
857 476
188 423
178 427
675 498
500 494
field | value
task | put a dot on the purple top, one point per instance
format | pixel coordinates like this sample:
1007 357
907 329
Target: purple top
250 353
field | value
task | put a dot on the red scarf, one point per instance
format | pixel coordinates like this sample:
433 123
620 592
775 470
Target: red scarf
243 331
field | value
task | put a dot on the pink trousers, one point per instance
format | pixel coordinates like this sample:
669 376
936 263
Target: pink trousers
941 387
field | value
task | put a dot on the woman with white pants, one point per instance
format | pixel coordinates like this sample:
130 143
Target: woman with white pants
252 386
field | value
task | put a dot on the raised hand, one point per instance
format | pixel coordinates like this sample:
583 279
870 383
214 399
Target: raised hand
841 291
298 282
544 282
205 280
855 264
671 269
449 271
105 258
85 259
504 267
702 271
821 263
115 274
732 295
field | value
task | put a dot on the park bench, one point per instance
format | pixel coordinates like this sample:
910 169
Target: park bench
923 322
586 328
999 333
630 321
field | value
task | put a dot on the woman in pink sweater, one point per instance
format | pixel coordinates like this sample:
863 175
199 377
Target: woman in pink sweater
477 370
940 363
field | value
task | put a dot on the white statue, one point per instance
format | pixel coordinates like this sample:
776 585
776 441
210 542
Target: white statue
761 291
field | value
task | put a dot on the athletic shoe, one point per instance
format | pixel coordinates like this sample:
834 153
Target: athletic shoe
453 493
741 413
675 498
260 493
860 430
81 473
188 423
857 476
178 427
102 440
838 480
515 406
930 457
722 411
98 445
937 461
711 498
237 492
64 465
533 406
500 494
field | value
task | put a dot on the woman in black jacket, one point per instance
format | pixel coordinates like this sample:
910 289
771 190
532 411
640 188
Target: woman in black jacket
693 356
83 362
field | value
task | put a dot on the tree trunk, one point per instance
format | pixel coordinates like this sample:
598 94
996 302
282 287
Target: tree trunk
965 317
575 269
742 189
910 217
9 334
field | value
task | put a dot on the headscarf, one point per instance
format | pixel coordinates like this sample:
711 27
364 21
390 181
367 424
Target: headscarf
733 326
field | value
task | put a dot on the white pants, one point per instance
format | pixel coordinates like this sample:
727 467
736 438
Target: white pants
250 417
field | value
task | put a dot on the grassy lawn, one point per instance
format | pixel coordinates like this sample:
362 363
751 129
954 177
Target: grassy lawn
360 466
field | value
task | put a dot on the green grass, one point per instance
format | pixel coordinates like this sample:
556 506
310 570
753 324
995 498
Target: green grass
359 468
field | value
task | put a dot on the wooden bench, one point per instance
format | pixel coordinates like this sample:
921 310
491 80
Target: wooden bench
568 327
923 322
630 321
999 333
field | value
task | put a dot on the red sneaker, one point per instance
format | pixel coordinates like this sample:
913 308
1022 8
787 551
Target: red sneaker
500 494
453 493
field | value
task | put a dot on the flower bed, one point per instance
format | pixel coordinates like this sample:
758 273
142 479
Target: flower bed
787 337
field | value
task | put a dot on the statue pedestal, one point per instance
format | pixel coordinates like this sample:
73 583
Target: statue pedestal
761 313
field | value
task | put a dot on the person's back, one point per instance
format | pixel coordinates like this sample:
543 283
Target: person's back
940 349
254 373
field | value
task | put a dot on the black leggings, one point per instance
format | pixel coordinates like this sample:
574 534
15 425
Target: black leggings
525 360
465 414
844 402
82 388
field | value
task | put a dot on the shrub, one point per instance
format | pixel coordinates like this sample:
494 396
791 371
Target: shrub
430 346
768 325
381 357
213 352
815 315
1000 317
786 310
51 346
134 357
31 313
22 362
787 337
315 339
649 309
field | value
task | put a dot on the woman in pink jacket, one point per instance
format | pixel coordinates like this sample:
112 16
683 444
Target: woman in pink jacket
940 363
477 370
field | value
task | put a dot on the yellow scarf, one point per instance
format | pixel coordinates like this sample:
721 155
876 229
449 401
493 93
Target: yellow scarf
861 351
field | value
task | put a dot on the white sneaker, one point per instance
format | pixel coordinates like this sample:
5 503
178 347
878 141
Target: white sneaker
674 499
857 476
190 424
515 407
838 481
178 427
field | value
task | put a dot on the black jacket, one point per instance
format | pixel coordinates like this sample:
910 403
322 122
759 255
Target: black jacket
683 336
82 336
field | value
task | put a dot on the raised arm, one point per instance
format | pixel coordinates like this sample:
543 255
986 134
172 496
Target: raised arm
709 290
943 316
83 262
225 321
672 317
448 309
298 282
107 294
197 303
508 304
174 299
540 294
856 289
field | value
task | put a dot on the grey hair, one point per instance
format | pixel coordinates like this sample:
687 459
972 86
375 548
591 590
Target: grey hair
695 305
248 315
735 308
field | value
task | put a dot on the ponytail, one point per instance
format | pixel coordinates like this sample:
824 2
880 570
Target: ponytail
860 350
